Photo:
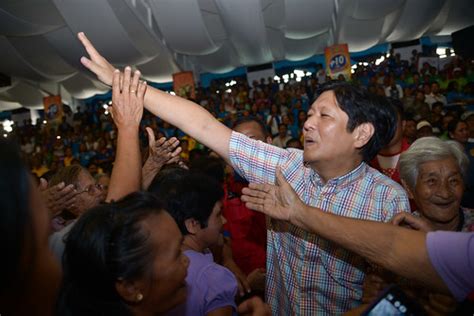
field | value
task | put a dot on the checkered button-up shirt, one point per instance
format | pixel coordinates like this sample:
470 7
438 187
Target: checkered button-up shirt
308 275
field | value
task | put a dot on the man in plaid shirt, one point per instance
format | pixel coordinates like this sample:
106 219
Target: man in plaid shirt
308 275
345 128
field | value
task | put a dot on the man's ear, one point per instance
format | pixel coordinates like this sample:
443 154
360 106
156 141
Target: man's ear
130 291
192 225
407 188
362 134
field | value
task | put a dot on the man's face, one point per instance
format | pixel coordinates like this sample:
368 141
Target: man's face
251 130
212 233
326 138
461 133
410 129
438 190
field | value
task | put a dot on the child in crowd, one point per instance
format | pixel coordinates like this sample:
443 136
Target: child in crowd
194 201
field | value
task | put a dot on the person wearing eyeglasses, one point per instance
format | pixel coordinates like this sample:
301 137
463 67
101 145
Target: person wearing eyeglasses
127 112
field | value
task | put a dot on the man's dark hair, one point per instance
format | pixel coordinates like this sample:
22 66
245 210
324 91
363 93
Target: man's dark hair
190 195
212 166
398 106
364 107
246 119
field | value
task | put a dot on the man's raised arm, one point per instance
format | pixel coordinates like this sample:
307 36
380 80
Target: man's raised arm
188 116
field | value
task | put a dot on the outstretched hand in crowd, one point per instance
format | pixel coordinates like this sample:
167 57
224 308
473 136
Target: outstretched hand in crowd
163 151
160 152
57 197
278 201
127 99
411 221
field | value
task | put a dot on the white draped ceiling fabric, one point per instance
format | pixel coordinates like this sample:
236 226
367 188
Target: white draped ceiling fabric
40 52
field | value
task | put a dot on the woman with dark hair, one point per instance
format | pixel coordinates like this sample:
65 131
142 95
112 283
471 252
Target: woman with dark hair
29 276
124 258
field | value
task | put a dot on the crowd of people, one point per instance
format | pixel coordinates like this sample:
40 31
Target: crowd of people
186 233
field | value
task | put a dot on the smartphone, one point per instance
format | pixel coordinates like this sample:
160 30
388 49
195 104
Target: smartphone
393 302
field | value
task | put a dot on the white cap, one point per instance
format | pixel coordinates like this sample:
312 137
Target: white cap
422 124
466 114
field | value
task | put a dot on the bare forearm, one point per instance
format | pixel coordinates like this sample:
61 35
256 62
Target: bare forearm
126 173
149 171
190 118
397 249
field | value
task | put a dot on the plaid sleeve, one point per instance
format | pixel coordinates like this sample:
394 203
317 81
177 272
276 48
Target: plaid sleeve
254 160
396 202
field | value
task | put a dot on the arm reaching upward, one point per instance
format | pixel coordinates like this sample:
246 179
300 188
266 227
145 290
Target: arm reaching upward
184 114
127 110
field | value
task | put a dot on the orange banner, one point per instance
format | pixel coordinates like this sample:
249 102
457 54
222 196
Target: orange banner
53 108
183 84
338 61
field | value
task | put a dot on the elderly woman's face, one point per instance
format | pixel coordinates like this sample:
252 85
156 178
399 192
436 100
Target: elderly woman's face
439 189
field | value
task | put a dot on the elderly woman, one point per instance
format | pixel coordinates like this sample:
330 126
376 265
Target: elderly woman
431 171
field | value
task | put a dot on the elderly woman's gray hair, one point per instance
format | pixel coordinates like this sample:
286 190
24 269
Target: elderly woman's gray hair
429 149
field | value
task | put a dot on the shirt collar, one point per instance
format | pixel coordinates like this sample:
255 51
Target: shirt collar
344 180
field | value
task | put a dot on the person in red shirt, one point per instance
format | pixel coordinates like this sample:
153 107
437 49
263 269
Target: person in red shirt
247 229
387 160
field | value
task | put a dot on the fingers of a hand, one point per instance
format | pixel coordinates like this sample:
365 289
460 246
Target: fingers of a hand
255 192
142 89
86 62
135 80
173 160
255 207
43 184
261 187
115 87
151 137
246 284
241 287
173 142
280 178
126 80
88 45
66 195
397 219
54 189
252 199
176 152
